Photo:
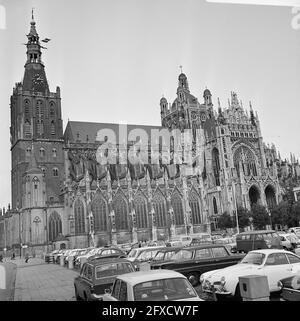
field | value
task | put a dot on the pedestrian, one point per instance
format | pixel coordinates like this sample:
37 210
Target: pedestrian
1 258
26 257
13 256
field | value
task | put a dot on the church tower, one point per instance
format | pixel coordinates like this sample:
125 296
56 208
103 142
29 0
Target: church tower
36 130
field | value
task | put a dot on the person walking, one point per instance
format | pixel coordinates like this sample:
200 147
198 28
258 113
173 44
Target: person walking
26 257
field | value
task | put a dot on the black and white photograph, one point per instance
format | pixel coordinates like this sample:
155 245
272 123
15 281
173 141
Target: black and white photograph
150 152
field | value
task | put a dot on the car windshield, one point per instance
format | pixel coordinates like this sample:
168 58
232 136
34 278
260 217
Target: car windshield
112 269
164 290
182 255
132 253
253 258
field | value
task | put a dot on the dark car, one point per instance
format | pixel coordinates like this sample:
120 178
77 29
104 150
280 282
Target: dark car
257 240
193 261
290 288
99 274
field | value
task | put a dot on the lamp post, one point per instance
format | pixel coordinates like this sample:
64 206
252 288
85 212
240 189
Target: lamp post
270 217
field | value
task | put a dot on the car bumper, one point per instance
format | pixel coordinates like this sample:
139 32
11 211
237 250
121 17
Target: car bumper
215 289
290 294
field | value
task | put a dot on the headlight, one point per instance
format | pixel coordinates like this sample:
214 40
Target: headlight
223 281
280 285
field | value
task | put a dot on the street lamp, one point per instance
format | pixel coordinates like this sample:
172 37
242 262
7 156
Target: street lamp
270 217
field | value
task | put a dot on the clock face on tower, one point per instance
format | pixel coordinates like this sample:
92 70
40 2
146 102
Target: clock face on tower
38 82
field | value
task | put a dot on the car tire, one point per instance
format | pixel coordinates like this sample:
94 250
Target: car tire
77 297
237 293
193 278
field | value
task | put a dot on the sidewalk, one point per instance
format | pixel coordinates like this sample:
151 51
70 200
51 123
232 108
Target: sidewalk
40 281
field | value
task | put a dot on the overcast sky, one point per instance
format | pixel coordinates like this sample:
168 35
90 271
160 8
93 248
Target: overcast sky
114 59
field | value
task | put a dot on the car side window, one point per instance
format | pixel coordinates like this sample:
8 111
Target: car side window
259 237
203 254
83 270
123 292
116 289
277 259
293 259
219 252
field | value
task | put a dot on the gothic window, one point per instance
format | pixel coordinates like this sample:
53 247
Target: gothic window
55 171
42 152
52 128
27 108
40 126
121 212
99 210
245 158
35 182
55 226
27 129
216 165
195 208
54 152
215 205
160 208
43 170
79 217
140 206
52 109
177 208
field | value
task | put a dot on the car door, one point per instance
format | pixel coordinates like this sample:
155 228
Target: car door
204 260
295 262
276 267
87 282
114 296
79 281
222 258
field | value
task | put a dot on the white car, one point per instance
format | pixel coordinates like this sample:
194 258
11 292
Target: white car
153 285
273 263
285 242
295 230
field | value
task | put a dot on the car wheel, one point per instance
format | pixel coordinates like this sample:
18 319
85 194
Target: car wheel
193 278
78 298
237 294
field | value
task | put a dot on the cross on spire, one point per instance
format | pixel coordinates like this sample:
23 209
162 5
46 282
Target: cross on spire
180 69
32 16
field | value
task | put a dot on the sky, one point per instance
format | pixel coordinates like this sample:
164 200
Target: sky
114 59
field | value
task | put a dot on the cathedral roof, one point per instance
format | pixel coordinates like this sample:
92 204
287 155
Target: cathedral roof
77 131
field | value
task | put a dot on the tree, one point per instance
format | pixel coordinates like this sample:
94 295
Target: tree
243 217
260 216
225 221
280 213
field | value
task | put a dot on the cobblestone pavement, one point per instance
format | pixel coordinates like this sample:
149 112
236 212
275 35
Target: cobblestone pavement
39 281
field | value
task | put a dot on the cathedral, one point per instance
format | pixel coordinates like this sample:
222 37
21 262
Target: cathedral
62 193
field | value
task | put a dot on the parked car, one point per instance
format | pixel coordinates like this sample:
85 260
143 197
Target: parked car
229 242
107 250
290 288
295 241
285 242
201 238
49 257
97 275
193 261
142 254
256 240
162 285
295 230
273 263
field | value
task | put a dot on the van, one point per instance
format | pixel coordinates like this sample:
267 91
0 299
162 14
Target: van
257 240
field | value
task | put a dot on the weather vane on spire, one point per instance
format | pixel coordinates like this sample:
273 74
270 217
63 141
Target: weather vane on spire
180 69
32 16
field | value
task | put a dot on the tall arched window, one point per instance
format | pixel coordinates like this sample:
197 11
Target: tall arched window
52 128
35 183
160 208
52 109
195 208
245 158
216 165
79 217
140 206
215 205
55 172
54 152
42 152
99 210
27 108
177 208
121 212
55 226
27 129
39 117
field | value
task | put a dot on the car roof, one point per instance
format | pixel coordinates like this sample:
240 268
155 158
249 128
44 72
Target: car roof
146 276
171 248
202 246
105 260
269 251
148 248
257 232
